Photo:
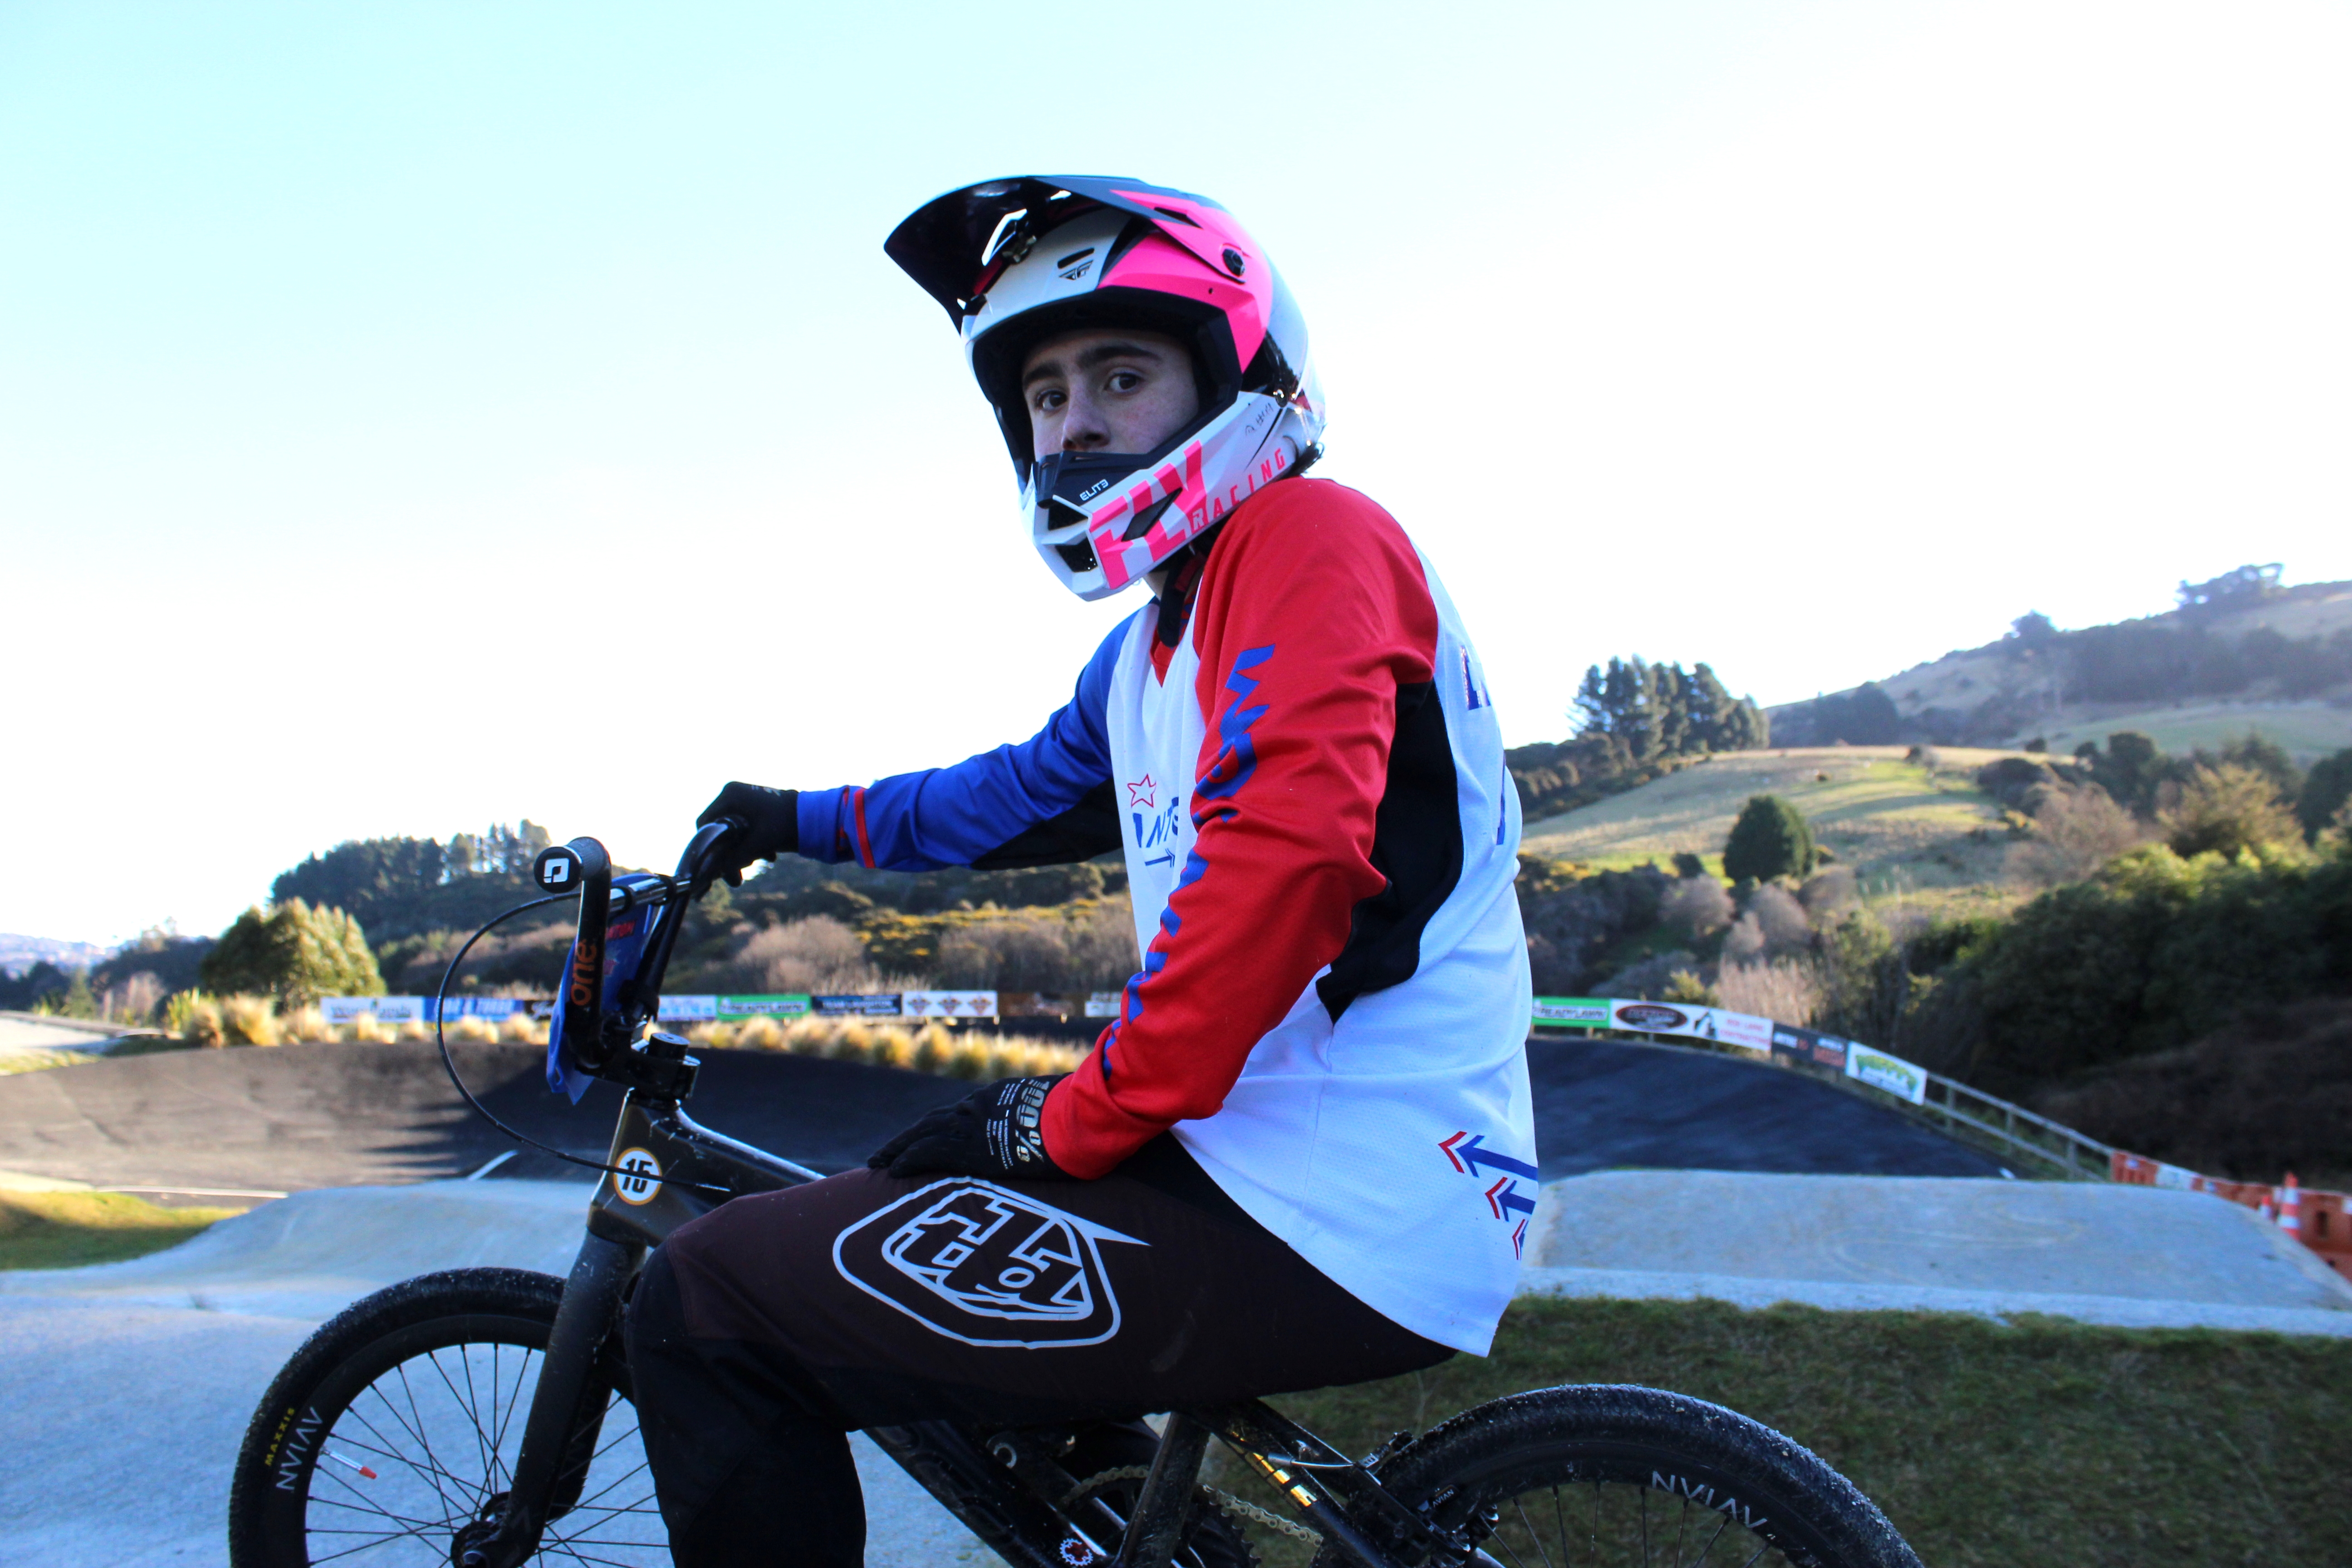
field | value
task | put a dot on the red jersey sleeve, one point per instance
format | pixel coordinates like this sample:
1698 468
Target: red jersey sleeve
1312 611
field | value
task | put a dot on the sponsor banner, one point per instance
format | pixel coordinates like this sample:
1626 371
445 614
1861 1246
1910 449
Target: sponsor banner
778 1004
1806 1048
1906 1080
1035 1005
1743 1030
382 1009
877 1004
494 1009
1572 1011
687 1009
1103 1004
947 1004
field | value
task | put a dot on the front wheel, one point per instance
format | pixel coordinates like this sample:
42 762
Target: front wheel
1615 1475
397 1424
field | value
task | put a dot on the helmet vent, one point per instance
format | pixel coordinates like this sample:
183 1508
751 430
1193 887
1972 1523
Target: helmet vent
1146 516
1074 256
1078 557
1061 514
1179 217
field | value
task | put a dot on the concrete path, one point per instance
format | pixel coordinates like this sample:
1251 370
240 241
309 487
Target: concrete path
125 1388
2139 1257
28 1032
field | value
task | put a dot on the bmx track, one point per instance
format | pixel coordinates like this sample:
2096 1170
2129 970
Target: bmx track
315 1116
124 1388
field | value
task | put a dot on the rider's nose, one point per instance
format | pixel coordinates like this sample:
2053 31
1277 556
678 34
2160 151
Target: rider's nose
1083 430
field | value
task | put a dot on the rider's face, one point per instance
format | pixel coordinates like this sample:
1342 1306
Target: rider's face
1107 391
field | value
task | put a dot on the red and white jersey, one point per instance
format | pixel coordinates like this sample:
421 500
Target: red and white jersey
1321 839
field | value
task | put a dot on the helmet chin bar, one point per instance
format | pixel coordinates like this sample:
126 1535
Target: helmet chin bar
1102 521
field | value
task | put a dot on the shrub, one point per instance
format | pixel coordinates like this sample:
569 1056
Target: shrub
1687 987
2148 954
299 1024
1697 906
760 1034
294 952
1769 840
194 1017
2226 809
365 1028
472 1030
2325 789
522 1030
2270 1090
248 1021
1788 990
2075 832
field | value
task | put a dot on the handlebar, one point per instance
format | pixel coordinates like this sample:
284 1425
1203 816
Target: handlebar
581 866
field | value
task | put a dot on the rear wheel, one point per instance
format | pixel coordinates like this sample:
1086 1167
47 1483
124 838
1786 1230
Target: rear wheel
1609 1476
398 1423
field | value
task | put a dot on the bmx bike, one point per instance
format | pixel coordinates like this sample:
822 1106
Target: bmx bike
481 1417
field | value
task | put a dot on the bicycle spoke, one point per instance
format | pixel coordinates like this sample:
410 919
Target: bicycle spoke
1533 1538
1559 1519
1723 1525
470 1401
438 1469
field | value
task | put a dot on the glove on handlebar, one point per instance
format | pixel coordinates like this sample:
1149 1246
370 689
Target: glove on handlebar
771 821
991 1132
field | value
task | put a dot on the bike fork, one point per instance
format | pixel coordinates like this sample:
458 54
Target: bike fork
592 1304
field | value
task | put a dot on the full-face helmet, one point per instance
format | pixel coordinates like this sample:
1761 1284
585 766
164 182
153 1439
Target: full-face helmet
1017 261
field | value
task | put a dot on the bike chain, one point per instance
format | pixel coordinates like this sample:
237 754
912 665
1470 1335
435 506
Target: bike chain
1225 1502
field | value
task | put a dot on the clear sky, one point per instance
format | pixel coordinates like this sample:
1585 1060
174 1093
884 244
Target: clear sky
414 416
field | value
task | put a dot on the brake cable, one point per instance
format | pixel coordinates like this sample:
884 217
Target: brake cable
449 1065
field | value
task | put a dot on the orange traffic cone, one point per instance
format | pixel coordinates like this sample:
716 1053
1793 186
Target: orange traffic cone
2291 1209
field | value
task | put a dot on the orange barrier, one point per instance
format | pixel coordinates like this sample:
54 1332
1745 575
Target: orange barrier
2322 1221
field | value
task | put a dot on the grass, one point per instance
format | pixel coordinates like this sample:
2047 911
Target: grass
64 1230
2308 730
2041 1442
1912 835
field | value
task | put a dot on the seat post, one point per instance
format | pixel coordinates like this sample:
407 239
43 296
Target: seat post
1166 1505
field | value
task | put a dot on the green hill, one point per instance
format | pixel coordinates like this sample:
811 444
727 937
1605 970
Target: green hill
1911 831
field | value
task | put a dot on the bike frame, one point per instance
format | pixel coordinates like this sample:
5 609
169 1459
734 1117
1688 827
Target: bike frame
665 1168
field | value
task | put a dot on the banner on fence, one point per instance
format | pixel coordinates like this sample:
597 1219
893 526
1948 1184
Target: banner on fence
1572 1011
688 1009
949 1003
2138 1170
1103 1004
1807 1048
1893 1074
382 1009
775 1005
1036 1004
871 1005
1743 1030
494 1009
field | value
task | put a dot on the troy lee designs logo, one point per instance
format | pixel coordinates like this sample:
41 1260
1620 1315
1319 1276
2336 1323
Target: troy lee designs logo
986 1265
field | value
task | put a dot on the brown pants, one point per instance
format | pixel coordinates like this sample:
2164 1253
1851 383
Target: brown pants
767 1329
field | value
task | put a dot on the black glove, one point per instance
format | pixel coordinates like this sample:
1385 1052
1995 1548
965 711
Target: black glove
771 826
991 1131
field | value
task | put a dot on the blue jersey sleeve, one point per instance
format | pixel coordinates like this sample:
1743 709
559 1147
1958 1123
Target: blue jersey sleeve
1045 801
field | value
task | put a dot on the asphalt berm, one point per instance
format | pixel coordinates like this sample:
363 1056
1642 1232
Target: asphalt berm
299 1117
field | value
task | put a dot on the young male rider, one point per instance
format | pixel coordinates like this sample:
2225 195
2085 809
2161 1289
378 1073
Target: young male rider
1302 1154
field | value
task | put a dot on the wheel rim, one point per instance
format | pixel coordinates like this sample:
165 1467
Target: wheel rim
1620 1510
423 1448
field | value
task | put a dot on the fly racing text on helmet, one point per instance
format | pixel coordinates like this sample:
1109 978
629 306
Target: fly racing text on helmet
1016 262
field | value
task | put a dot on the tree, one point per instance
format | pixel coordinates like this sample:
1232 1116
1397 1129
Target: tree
2226 809
2244 584
2325 790
294 952
1769 840
2032 629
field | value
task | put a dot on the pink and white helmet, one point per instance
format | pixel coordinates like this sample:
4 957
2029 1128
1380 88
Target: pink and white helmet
1015 261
